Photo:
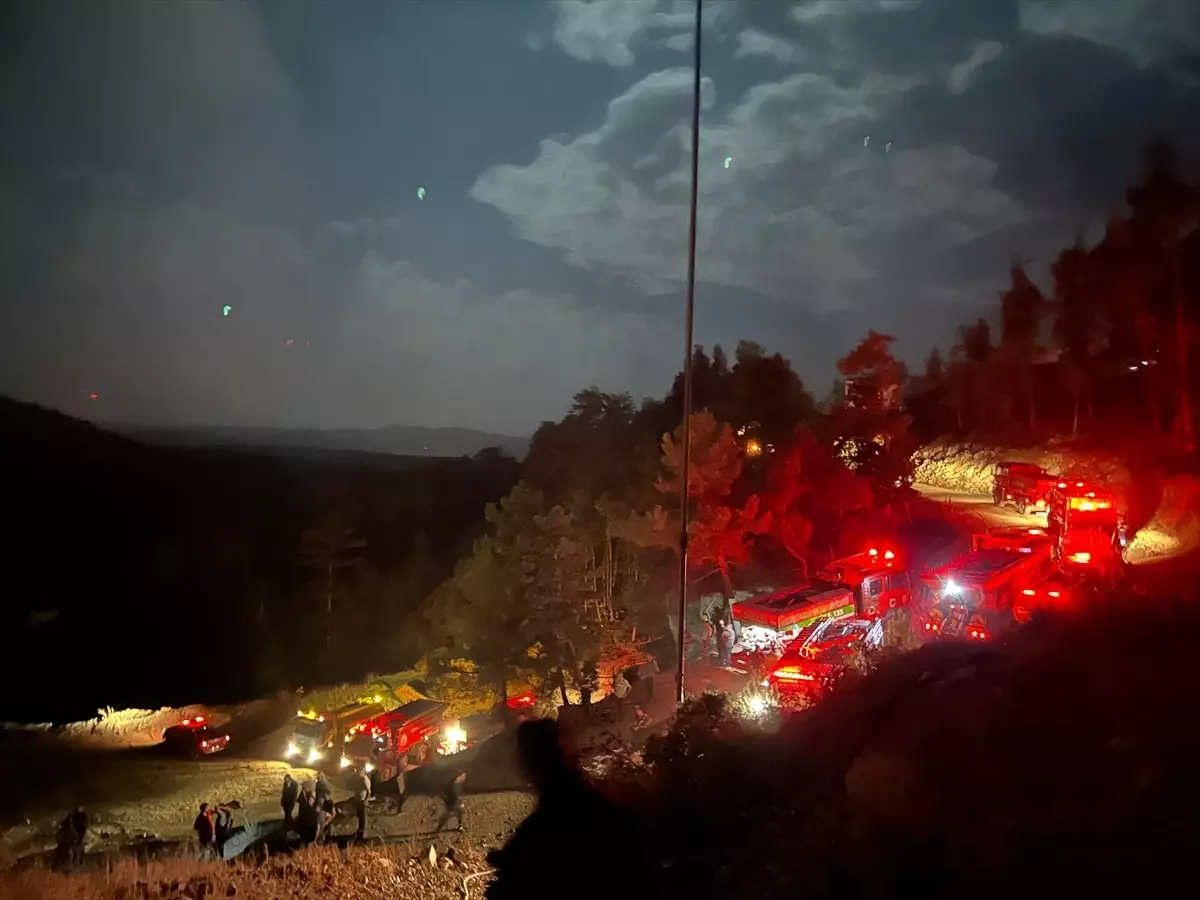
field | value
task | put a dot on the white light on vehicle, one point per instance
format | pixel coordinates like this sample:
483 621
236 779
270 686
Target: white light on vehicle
951 589
456 735
292 750
758 704
314 756
344 763
368 768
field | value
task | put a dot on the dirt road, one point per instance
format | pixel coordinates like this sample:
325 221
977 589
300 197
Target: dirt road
980 505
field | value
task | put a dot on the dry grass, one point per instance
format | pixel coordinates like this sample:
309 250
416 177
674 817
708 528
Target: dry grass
358 872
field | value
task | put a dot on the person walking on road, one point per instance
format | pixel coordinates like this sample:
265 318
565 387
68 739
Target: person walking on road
453 798
362 793
287 800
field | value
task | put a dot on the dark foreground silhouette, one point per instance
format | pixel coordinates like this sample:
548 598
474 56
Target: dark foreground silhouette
576 843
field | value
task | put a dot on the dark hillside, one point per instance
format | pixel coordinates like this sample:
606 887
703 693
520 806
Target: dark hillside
143 575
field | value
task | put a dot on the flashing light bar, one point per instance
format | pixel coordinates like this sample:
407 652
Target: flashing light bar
951 589
1055 593
791 673
888 554
978 634
1081 557
1029 592
1035 531
873 552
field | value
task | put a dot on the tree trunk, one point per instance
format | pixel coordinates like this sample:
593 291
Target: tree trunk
726 577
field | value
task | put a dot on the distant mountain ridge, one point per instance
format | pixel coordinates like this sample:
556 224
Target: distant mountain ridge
396 440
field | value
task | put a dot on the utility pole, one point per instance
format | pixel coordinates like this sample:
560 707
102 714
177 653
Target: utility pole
687 356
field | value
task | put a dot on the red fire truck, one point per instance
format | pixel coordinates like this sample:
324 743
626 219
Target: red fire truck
865 585
1086 527
1012 538
381 744
809 664
879 580
1063 590
973 596
1023 485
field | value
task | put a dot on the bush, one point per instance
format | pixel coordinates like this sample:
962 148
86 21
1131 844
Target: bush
376 873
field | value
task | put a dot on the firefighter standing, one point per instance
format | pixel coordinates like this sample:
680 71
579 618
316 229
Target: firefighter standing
362 793
287 800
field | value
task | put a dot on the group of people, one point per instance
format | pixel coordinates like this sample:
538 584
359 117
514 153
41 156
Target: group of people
213 827
309 810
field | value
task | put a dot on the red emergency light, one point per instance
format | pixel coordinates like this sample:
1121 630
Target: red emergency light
792 673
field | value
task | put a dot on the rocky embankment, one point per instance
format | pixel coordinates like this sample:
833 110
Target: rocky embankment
969 466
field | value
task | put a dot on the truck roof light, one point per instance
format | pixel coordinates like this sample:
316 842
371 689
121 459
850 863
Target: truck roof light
888 554
873 552
1054 593
1029 592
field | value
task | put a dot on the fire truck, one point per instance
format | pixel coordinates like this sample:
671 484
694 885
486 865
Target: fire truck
1023 485
315 734
879 581
810 663
1086 527
865 585
401 737
1063 590
1012 538
973 596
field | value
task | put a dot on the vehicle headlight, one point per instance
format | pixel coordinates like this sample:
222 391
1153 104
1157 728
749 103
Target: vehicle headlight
314 756
292 750
345 763
369 768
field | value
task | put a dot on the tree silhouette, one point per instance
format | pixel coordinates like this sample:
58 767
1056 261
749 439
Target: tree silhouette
326 550
719 531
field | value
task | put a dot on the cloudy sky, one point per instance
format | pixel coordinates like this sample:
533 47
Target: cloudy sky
459 213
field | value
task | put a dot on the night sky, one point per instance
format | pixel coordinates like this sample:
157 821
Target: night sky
160 161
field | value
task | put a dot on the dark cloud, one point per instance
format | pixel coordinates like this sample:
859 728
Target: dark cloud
864 163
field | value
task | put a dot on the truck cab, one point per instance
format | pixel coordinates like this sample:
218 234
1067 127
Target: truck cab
315 735
879 580
1022 485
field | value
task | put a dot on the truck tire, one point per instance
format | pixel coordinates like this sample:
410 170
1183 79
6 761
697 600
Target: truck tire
419 754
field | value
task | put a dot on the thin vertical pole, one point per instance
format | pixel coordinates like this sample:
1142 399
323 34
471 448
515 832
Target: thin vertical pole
687 356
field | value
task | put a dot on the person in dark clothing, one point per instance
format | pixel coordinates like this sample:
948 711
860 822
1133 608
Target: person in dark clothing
326 813
222 829
362 793
542 857
402 783
203 826
453 798
79 822
307 821
287 800
323 791
67 839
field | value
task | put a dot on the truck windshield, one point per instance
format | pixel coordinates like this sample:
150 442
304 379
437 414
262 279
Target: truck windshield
309 729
